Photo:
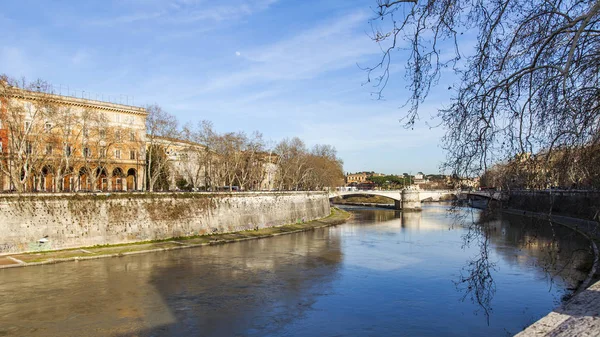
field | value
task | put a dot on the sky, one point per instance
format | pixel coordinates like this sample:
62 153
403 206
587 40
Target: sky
284 68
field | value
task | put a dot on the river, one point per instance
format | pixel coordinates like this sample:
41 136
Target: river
383 273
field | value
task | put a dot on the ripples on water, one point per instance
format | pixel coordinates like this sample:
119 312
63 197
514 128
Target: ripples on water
383 273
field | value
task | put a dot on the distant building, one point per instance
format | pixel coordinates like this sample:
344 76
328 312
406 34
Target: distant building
353 179
420 179
356 178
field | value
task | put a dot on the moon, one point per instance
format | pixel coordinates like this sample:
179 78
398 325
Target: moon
237 53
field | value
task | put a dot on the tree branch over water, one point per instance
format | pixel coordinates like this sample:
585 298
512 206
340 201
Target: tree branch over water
530 83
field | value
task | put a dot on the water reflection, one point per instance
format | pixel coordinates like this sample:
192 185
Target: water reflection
550 251
383 273
555 251
213 291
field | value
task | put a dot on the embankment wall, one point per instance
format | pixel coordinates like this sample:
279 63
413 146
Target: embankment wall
69 221
577 204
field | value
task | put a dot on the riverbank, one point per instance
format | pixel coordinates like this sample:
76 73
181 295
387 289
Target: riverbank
336 217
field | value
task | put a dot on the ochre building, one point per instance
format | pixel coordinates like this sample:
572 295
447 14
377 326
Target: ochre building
59 143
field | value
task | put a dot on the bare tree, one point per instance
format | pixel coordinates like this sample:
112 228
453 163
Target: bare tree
229 148
27 131
292 163
97 148
326 168
162 133
69 130
531 82
192 165
251 169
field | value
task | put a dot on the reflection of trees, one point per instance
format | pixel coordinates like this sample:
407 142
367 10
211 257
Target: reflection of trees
476 281
368 215
553 249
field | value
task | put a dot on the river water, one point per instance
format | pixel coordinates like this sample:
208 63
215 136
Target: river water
383 273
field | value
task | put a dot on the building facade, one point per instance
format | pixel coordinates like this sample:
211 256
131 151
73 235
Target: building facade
353 179
356 178
57 143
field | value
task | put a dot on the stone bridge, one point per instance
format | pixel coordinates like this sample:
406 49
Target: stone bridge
410 199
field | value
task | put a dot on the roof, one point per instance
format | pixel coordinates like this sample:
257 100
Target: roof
74 101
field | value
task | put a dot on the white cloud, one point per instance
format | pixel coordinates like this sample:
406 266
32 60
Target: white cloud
125 19
326 47
185 12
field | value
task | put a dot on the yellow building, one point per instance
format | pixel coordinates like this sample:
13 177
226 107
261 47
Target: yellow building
356 178
59 143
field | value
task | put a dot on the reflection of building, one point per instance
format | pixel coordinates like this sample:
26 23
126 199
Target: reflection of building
53 143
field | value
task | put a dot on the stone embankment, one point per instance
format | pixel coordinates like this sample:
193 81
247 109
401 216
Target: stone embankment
31 223
571 203
336 217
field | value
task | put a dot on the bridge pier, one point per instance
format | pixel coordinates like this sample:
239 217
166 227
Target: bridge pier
411 201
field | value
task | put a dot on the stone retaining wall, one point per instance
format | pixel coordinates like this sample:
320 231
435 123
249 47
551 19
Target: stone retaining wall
577 204
68 221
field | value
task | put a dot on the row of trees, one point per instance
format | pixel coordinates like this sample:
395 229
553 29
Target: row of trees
566 168
46 144
204 158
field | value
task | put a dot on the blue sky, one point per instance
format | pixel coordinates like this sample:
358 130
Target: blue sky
285 68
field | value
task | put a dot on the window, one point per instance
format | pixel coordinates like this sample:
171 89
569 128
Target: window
118 135
132 136
47 127
48 149
28 148
68 150
102 152
102 134
118 118
118 154
86 152
132 154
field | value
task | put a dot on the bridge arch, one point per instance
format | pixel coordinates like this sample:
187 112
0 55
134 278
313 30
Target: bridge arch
412 198
394 196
